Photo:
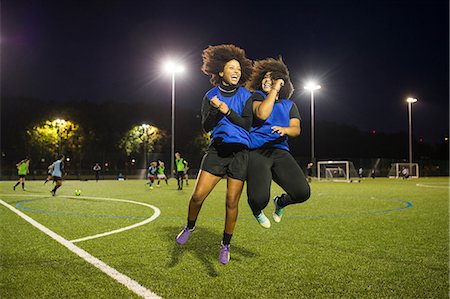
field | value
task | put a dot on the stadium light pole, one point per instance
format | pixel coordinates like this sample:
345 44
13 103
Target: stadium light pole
145 127
172 68
311 86
410 101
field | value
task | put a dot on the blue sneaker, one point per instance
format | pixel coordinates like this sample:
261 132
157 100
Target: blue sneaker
224 255
263 220
184 235
278 212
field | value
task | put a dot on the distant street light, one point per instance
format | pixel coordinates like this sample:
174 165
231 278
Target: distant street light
173 68
410 101
311 86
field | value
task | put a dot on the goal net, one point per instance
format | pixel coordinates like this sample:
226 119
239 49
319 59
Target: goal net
337 171
402 170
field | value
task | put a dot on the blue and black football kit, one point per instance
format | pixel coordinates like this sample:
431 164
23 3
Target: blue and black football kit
269 158
227 153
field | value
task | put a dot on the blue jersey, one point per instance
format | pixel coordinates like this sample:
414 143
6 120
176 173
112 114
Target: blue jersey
225 129
261 135
58 167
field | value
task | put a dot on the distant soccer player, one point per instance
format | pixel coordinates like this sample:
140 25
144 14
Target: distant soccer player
161 175
152 170
97 169
22 171
49 173
226 112
57 173
185 172
181 164
276 118
309 170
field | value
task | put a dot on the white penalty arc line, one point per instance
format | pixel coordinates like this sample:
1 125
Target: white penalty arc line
154 216
131 284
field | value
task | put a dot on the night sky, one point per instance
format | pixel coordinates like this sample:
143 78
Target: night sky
368 56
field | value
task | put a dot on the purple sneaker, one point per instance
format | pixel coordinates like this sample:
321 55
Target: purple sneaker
224 255
184 235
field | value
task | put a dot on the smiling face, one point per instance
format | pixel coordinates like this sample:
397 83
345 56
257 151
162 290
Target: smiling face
231 73
266 83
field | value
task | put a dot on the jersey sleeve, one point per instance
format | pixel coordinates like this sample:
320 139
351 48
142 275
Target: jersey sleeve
210 115
244 121
293 113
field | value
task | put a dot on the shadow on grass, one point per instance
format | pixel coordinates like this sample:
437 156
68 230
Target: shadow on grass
204 244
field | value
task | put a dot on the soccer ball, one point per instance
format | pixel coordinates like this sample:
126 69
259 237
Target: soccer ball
77 192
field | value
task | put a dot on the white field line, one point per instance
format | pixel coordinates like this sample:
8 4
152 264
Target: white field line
433 186
153 217
131 284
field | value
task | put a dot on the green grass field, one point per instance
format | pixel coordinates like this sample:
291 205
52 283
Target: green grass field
380 238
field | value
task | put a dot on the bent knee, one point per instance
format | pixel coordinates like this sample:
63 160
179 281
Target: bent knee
301 195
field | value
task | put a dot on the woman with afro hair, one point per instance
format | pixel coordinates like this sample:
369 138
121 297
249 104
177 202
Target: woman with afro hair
276 118
227 114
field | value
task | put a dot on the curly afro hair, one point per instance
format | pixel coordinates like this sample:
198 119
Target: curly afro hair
215 58
278 70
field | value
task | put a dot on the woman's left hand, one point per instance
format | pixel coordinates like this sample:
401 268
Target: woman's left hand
279 130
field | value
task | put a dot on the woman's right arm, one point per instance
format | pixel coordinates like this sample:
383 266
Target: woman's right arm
210 115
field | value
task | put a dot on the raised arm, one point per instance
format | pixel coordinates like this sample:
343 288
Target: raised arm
244 121
210 115
262 110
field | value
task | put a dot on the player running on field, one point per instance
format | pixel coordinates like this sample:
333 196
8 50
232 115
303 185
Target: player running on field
161 175
57 173
152 170
22 171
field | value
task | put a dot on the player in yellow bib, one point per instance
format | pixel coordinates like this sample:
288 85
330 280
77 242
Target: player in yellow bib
180 164
22 171
160 174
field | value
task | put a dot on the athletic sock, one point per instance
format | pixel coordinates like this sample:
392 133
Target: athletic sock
281 201
23 185
17 184
191 223
226 238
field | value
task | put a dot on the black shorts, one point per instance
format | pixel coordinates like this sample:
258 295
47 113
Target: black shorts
21 176
180 174
57 178
223 160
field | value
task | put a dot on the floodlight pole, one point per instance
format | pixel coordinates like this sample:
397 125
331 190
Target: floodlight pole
410 102
172 151
311 86
313 159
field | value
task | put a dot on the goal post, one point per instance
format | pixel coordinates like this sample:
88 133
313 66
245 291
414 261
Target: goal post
399 170
337 171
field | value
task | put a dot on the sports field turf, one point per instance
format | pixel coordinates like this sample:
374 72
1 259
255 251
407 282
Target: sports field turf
377 239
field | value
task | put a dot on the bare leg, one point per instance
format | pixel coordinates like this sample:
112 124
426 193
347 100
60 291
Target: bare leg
234 190
204 185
